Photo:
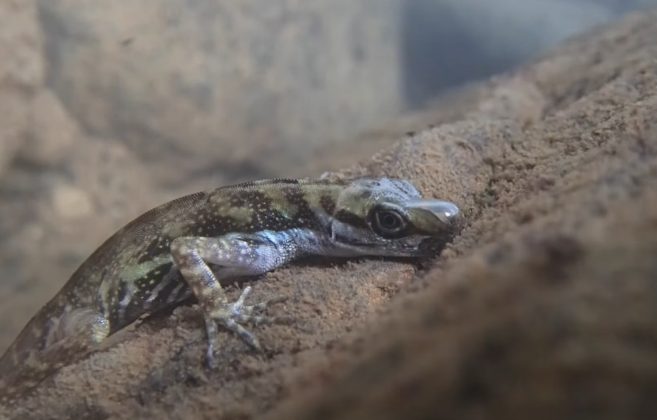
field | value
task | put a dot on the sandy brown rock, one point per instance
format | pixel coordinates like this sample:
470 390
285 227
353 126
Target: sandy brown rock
543 307
152 362
538 325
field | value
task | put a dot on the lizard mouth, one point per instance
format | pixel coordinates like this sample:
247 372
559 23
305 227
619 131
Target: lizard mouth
433 245
349 241
425 247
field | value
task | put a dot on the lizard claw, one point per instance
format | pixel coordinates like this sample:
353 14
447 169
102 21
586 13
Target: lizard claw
232 315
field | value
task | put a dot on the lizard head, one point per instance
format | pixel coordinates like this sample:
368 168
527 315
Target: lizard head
388 217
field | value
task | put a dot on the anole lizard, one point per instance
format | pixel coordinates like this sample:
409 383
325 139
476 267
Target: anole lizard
180 250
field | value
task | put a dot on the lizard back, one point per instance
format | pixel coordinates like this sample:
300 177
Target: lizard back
133 269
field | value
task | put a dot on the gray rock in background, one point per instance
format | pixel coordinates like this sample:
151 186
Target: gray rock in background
247 89
21 71
241 89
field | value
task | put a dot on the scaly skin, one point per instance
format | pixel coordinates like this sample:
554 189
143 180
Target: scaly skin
161 259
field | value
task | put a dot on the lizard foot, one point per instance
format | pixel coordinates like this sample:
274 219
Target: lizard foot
232 315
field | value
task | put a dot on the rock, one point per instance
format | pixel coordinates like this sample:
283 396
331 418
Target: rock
177 80
21 72
14 110
70 202
51 132
20 45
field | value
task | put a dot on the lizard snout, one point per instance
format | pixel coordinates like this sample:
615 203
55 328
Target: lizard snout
446 212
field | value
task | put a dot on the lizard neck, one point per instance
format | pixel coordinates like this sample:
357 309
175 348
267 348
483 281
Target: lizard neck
297 242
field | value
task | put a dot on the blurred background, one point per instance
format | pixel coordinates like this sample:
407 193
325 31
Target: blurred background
108 108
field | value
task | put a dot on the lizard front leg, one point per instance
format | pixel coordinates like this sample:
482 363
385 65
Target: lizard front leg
236 255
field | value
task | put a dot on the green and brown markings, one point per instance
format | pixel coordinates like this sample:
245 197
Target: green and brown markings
185 247
275 205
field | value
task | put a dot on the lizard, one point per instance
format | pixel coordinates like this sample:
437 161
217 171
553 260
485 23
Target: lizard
183 248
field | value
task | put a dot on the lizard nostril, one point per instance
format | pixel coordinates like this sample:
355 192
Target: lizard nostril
451 212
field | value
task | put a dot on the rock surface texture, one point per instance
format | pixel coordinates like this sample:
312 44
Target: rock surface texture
545 306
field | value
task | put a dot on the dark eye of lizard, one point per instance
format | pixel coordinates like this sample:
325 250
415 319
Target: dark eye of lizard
388 223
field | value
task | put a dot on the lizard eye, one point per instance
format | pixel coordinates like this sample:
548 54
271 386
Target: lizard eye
388 223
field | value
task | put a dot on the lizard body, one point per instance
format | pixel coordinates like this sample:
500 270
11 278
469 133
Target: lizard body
180 249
